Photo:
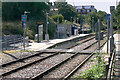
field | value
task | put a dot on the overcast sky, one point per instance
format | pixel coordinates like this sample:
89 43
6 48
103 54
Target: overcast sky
103 5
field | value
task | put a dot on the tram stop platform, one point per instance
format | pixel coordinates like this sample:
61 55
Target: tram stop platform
45 44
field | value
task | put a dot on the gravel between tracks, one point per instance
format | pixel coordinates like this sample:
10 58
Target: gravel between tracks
89 63
8 57
61 71
82 46
48 63
24 62
39 67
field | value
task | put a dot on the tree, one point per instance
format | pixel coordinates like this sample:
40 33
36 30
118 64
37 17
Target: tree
66 10
55 17
117 16
101 15
11 13
92 16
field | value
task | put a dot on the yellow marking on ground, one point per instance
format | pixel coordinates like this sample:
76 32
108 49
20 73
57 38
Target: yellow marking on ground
14 51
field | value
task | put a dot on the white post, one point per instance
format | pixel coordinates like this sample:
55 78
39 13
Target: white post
107 36
47 35
99 35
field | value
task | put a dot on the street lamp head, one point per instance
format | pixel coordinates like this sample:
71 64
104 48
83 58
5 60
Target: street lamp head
25 12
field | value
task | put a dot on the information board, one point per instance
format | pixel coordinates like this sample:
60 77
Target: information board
24 18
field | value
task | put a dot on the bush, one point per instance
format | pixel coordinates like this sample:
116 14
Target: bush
55 17
96 71
12 28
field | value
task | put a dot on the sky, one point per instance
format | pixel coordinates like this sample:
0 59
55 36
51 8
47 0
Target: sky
103 5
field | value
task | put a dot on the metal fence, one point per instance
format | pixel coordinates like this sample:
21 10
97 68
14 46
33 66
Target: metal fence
111 65
10 42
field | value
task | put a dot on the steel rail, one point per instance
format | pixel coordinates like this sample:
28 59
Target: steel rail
37 53
25 65
18 60
40 75
16 69
79 65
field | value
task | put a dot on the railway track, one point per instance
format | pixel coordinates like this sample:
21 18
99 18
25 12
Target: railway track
69 67
27 62
8 69
71 73
73 43
62 74
67 47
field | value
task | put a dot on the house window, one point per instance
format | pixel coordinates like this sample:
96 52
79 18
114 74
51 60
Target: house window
88 10
87 7
79 11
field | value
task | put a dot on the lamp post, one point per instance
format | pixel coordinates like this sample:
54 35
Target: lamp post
99 35
24 20
47 35
112 8
58 26
92 23
71 19
107 35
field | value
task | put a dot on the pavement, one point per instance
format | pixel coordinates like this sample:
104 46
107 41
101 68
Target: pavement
45 45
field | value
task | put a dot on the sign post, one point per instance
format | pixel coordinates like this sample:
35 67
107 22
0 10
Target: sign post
24 20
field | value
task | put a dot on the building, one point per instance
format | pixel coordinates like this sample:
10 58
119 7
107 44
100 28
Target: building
84 9
63 30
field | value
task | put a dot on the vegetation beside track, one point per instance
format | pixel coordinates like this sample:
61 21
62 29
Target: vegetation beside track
96 71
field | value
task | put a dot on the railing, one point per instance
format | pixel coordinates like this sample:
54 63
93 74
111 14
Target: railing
11 39
110 70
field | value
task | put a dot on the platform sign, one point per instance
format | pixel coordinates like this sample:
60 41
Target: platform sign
108 16
24 18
